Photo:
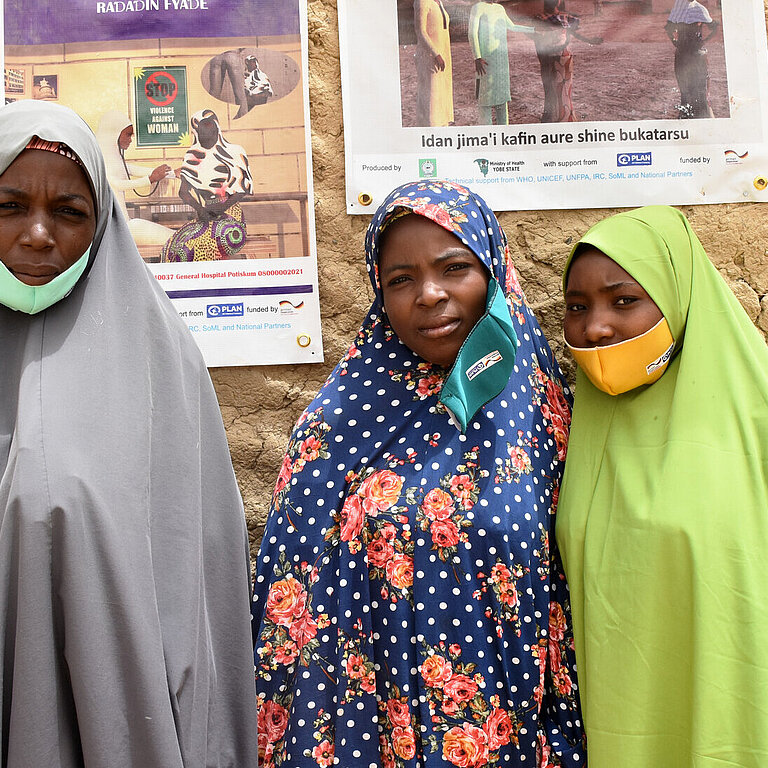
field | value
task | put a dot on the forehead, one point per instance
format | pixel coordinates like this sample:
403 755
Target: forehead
419 236
592 269
37 169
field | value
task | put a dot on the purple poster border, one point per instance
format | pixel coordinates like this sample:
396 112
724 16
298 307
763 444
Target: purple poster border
40 22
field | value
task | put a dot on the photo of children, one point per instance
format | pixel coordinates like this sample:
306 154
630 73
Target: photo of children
549 61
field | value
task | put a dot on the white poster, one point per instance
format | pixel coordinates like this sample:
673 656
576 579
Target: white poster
542 104
201 111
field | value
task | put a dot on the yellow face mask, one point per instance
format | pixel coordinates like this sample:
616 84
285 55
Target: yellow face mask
629 364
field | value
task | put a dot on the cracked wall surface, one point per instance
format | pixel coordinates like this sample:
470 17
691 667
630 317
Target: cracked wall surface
260 404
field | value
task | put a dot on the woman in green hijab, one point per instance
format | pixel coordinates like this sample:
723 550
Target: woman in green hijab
663 515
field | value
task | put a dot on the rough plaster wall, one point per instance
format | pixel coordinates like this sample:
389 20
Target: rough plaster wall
260 404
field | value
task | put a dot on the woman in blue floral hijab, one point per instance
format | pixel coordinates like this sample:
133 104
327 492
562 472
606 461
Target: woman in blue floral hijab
410 607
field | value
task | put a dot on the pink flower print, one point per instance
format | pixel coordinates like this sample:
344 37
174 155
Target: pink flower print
400 571
435 671
352 517
512 281
355 666
429 385
398 712
272 720
309 450
437 214
380 552
466 747
323 753
404 742
562 681
303 629
462 487
368 683
437 505
381 490
387 755
460 688
444 533
285 474
286 601
498 729
286 653
520 459
557 625
388 531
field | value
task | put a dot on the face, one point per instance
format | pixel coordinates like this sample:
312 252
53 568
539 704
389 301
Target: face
604 303
434 287
207 132
47 215
125 138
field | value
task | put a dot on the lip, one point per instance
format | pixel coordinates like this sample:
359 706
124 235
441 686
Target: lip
440 327
35 275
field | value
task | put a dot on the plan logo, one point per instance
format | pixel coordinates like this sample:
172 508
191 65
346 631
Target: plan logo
482 164
484 363
224 310
428 168
625 159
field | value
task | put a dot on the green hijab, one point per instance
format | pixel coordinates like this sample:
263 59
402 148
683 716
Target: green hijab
663 524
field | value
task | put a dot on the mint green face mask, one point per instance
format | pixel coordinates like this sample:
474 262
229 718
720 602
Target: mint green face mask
484 363
32 299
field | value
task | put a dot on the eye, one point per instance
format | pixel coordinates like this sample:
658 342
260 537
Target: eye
397 280
625 301
72 212
9 205
573 307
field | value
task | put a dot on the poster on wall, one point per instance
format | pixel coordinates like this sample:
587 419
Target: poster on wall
547 104
201 110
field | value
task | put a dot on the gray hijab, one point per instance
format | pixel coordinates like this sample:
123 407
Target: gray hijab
124 574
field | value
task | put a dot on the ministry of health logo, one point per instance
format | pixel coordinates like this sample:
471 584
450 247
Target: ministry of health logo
428 168
482 164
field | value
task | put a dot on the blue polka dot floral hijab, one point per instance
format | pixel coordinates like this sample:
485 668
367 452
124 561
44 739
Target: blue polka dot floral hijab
409 604
485 361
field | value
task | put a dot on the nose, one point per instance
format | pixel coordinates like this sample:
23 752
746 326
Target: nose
431 293
598 329
39 234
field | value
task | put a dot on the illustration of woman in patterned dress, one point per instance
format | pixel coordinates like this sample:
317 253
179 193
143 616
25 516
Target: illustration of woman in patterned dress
214 179
410 607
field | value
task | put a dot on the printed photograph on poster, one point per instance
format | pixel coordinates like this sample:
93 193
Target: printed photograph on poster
14 81
557 103
201 111
547 62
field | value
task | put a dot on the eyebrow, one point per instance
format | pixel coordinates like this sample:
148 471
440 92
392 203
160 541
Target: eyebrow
444 256
605 289
67 196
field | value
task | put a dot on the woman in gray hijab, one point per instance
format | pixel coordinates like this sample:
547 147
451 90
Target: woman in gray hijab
124 580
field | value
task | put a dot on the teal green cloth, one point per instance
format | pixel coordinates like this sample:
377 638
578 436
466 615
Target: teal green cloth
663 524
488 27
484 363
